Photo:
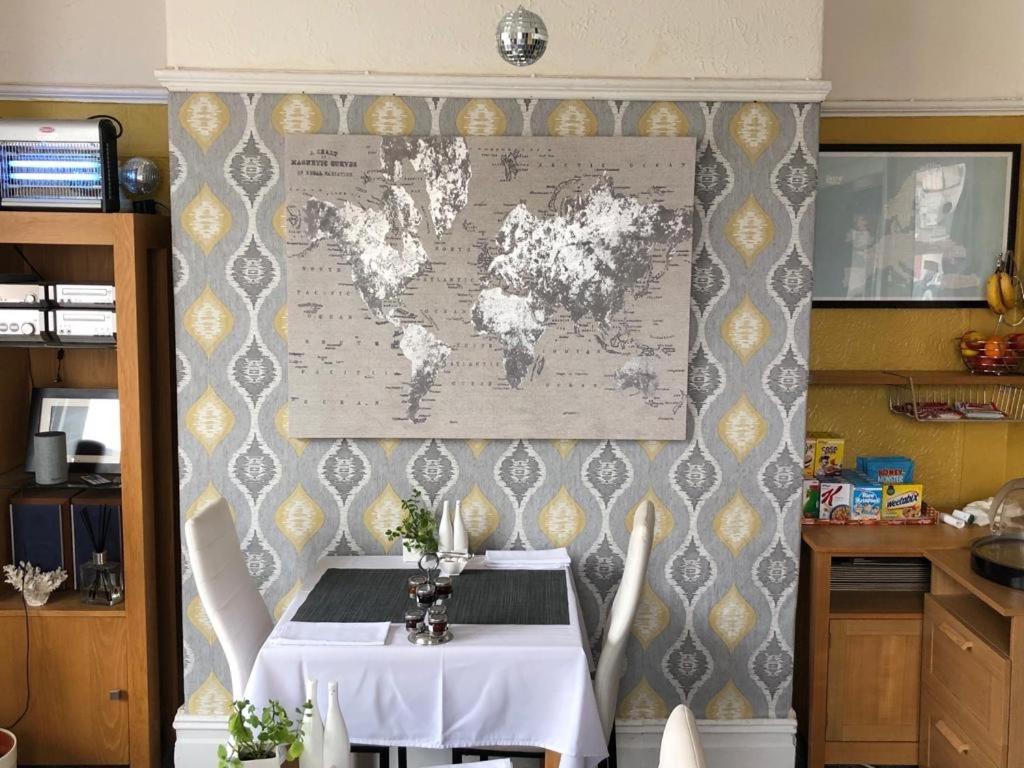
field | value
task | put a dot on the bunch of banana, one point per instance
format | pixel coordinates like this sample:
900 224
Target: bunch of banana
1001 289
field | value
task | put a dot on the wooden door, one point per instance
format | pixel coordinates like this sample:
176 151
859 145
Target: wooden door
76 663
874 673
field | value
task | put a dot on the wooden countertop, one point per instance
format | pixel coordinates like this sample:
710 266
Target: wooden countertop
889 540
956 563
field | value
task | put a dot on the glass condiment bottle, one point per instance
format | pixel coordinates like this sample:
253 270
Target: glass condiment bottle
413 619
437 620
444 587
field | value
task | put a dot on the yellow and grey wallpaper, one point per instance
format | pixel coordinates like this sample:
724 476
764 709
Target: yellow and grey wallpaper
715 627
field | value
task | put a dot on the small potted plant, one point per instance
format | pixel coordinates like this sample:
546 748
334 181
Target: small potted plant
418 529
257 740
34 583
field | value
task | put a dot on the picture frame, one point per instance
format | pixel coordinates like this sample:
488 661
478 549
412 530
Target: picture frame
912 225
91 419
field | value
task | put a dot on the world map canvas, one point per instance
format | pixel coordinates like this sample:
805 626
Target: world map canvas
488 287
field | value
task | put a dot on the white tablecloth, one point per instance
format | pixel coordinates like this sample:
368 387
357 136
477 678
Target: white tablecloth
492 686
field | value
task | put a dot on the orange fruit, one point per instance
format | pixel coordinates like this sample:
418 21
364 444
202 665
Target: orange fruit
995 346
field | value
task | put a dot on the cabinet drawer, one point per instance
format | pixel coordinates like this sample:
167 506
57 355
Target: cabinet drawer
945 743
960 667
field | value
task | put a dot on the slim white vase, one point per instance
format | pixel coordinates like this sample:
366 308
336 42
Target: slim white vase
337 750
460 537
312 732
445 532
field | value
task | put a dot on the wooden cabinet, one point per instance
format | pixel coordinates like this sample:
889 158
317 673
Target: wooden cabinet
873 680
79 675
95 672
858 653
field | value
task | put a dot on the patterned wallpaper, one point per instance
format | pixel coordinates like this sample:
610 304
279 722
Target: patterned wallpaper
715 627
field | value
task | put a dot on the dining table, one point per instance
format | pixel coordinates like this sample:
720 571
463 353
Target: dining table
517 672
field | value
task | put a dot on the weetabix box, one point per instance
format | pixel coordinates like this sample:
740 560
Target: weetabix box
902 503
835 500
828 454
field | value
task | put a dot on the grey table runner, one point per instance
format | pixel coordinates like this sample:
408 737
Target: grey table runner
354 595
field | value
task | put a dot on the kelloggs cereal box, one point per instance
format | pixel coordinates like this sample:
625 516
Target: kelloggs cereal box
835 500
902 502
828 454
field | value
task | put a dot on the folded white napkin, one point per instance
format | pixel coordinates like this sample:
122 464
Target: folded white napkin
537 559
330 633
502 763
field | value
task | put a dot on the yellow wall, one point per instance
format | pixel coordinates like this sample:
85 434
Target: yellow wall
145 127
957 462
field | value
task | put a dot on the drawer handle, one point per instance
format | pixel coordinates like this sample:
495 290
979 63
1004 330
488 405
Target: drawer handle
955 741
959 640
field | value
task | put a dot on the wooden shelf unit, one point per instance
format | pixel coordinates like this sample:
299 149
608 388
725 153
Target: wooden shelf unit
98 669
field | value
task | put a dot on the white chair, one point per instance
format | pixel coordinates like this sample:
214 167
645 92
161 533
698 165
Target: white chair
232 601
616 636
620 621
680 744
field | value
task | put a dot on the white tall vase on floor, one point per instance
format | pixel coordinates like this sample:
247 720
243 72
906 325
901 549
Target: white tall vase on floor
312 732
444 530
460 536
337 750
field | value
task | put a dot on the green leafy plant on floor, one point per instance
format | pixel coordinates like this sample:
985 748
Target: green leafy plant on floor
418 528
257 736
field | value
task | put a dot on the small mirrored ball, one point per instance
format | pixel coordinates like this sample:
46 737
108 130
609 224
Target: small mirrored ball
522 37
139 176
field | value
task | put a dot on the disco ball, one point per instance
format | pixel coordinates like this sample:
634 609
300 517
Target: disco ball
522 37
139 176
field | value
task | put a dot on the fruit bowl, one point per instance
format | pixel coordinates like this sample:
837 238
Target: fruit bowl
992 355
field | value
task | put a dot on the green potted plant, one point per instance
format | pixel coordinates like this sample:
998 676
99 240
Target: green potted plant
418 529
257 739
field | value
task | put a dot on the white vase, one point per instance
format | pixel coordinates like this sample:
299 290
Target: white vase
460 537
312 732
445 532
337 750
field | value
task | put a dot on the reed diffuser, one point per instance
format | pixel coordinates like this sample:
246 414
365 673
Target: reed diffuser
101 581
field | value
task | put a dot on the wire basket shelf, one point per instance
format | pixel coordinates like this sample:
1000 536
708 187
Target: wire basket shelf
988 400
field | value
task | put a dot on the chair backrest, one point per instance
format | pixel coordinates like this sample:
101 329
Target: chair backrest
620 619
680 744
230 597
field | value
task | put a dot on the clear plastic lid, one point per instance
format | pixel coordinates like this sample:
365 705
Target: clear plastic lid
1008 508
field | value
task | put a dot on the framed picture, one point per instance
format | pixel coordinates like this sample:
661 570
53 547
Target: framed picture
91 419
912 225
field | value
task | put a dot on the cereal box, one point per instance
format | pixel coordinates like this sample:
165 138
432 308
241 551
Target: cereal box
810 444
887 469
865 502
835 500
902 502
811 501
828 454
